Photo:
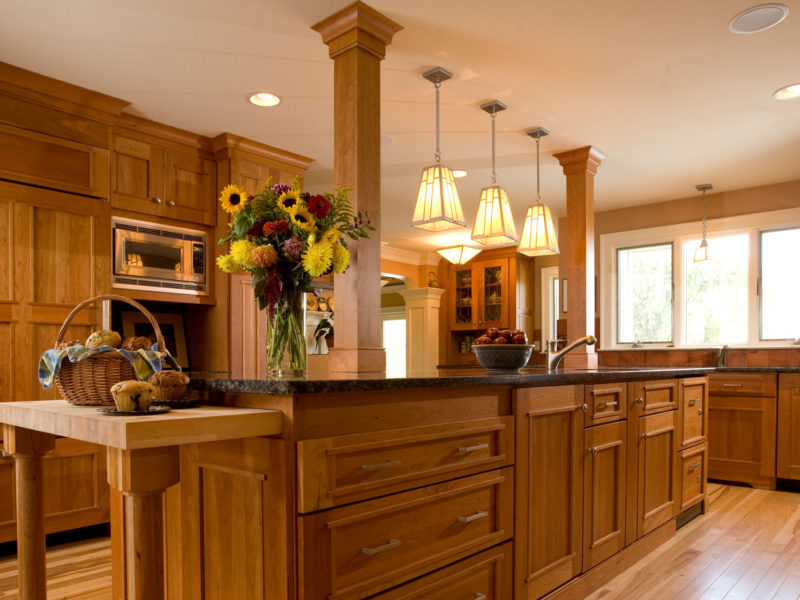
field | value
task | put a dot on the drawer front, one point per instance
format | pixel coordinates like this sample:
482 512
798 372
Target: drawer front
694 404
485 576
653 397
694 469
744 384
605 403
345 469
365 548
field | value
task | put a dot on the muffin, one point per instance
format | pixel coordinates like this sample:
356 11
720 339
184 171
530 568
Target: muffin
67 344
132 396
136 343
104 337
169 386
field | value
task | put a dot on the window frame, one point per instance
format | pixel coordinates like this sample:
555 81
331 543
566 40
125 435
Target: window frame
752 224
759 282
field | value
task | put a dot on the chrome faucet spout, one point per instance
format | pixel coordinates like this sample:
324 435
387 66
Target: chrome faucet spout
553 357
721 355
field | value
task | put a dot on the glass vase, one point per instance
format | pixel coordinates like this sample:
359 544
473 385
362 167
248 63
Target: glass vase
286 337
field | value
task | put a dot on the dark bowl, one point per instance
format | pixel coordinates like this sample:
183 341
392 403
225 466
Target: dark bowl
503 357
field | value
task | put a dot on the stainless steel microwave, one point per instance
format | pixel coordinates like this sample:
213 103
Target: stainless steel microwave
158 257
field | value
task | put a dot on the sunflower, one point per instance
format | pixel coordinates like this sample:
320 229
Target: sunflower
317 259
332 235
233 199
227 263
302 218
289 199
242 253
341 258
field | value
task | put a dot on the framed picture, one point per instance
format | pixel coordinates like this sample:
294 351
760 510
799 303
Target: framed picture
171 325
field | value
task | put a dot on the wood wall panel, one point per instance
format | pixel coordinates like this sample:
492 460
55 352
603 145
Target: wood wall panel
7 367
7 504
70 483
6 250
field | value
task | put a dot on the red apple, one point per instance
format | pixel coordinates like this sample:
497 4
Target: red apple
482 340
519 338
506 333
519 331
492 332
500 340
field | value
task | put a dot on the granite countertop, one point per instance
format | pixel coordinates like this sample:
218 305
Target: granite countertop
528 377
757 370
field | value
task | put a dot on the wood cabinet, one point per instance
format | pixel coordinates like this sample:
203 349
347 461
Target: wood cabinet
480 296
742 428
651 397
657 482
693 398
788 451
605 403
604 492
549 497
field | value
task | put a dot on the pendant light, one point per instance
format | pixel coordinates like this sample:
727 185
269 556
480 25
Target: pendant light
701 253
459 255
538 232
438 207
494 224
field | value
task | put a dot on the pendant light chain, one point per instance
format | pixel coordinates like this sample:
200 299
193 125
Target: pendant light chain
494 176
437 155
704 214
538 177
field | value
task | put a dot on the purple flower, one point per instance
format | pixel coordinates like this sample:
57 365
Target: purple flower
294 247
280 188
304 196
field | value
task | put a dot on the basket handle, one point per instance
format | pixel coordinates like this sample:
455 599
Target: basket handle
134 303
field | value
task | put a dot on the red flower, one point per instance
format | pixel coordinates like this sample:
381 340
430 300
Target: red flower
256 229
319 206
271 227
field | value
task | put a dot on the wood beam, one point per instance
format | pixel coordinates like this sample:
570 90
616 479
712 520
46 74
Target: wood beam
357 37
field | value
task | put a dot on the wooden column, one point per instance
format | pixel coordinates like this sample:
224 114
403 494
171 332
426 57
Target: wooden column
27 447
357 37
580 166
141 476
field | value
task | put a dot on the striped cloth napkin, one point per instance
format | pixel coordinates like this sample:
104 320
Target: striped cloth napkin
145 362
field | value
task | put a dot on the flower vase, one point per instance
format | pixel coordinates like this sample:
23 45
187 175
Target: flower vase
286 339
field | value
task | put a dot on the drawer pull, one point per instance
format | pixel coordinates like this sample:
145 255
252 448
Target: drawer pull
693 467
639 400
699 411
582 407
645 436
377 549
474 448
481 514
383 465
594 450
731 385
480 596
607 404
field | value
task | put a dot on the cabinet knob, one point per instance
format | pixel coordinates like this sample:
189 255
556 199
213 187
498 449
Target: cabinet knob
645 436
157 200
639 400
170 203
594 451
480 596
699 411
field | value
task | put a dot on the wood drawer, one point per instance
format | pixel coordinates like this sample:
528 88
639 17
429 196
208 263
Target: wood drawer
653 397
344 469
605 403
694 474
365 548
486 576
694 405
743 384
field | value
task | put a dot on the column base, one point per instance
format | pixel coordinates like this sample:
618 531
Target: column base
357 360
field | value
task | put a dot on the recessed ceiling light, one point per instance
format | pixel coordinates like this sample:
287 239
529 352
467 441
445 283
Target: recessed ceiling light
459 174
264 99
787 92
758 18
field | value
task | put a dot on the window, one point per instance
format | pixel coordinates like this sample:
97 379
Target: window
644 305
394 340
780 285
745 293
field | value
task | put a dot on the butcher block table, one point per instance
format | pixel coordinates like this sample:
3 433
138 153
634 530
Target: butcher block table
143 461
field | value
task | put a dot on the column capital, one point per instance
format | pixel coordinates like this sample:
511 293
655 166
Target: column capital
422 295
357 26
579 160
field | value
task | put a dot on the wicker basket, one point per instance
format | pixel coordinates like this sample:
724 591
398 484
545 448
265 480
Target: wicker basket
88 382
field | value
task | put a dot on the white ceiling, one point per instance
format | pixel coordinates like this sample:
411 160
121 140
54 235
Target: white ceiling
662 88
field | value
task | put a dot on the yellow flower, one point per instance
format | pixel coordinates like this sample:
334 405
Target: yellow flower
265 256
341 258
332 235
242 253
317 259
233 199
227 263
302 218
289 199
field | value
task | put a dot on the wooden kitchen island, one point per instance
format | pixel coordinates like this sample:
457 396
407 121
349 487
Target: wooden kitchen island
455 484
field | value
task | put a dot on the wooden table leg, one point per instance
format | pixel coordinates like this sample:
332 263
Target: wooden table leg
27 447
141 476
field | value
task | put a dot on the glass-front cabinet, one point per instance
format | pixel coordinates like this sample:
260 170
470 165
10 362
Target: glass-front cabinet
480 295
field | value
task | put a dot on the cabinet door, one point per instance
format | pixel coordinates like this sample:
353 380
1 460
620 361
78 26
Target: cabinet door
789 426
248 175
741 439
656 471
604 492
189 192
693 399
137 176
462 302
494 293
605 402
549 494
693 465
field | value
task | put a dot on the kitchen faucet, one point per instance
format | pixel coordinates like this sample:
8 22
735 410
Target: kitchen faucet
553 357
721 355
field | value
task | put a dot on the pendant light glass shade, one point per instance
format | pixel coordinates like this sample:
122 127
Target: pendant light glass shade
438 207
494 223
538 231
459 255
701 253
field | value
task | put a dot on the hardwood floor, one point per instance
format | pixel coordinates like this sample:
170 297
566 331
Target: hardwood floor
747 547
